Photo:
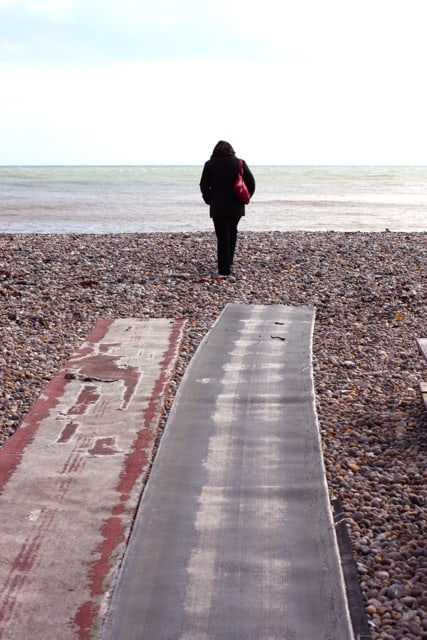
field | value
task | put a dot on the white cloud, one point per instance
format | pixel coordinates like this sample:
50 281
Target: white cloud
110 32
332 28
167 112
289 82
50 8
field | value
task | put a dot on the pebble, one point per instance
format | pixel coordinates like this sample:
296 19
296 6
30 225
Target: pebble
369 291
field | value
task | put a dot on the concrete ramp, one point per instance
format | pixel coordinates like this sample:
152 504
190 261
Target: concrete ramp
71 478
234 538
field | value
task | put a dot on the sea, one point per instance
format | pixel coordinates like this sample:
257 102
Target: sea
135 199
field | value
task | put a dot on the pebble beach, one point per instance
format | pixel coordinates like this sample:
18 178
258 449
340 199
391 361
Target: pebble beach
370 295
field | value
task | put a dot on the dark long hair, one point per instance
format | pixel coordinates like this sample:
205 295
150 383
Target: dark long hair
222 149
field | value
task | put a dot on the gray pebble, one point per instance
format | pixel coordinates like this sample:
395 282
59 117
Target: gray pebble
369 290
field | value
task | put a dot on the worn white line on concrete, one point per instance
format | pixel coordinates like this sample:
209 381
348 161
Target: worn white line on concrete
234 537
213 502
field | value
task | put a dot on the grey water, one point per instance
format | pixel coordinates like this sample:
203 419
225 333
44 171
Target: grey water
133 199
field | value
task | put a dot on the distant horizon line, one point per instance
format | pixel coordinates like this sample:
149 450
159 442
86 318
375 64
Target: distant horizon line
326 165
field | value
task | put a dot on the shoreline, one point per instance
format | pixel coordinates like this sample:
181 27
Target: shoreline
369 289
209 230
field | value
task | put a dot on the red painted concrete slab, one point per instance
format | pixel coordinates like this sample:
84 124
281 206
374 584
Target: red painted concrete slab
71 479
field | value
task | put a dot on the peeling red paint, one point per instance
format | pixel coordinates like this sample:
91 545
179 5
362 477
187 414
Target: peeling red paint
135 462
113 534
105 348
23 562
100 330
87 396
67 433
104 447
74 462
28 554
103 368
84 618
11 452
137 458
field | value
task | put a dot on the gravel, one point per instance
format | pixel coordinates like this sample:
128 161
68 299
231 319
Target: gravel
369 291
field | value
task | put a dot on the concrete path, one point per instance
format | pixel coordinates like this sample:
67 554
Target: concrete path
71 479
234 537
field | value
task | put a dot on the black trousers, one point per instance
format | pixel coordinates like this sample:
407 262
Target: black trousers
226 234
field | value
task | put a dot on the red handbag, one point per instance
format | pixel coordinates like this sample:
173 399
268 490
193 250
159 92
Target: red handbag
240 189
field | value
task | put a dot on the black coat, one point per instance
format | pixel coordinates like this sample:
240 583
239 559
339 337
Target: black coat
217 186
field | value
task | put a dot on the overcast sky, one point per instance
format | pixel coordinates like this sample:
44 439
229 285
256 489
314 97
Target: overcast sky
161 81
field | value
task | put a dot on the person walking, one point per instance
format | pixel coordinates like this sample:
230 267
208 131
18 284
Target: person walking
225 208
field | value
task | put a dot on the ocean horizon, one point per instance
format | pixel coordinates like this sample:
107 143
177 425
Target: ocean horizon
166 198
